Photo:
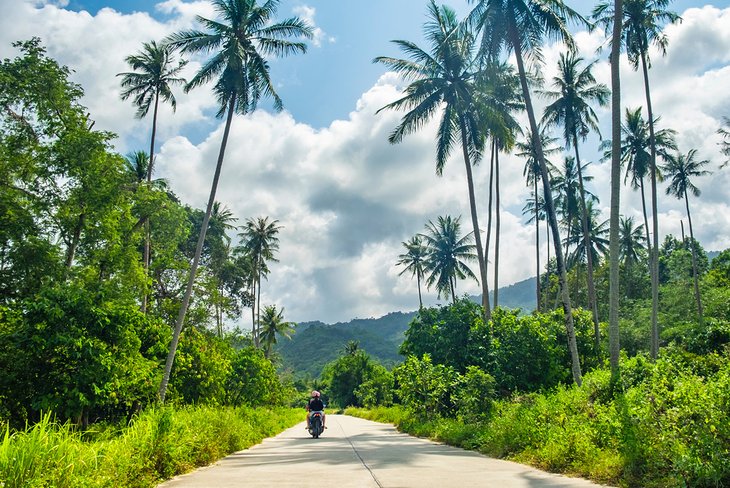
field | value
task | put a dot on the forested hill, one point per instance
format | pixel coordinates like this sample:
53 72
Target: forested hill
316 343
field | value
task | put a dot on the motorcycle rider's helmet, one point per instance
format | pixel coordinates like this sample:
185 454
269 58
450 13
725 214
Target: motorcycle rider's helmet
315 394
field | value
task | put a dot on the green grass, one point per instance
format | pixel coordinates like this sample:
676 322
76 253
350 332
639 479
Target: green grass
160 443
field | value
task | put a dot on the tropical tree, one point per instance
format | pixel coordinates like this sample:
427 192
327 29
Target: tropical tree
520 27
531 172
567 200
598 242
448 253
272 326
725 144
575 89
240 42
444 80
153 76
632 242
414 261
642 26
680 170
260 239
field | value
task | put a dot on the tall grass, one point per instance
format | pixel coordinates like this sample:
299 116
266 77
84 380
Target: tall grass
159 444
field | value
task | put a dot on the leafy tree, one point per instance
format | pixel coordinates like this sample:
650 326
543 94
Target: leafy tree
414 260
575 89
680 169
424 387
377 390
242 40
443 80
520 27
273 325
447 255
253 380
641 26
345 375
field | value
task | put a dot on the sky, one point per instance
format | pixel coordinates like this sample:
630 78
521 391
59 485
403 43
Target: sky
323 167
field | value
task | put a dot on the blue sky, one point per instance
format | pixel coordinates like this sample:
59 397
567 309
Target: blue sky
346 197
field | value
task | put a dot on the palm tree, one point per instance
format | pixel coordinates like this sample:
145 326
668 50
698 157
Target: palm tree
725 144
260 238
613 292
154 73
531 172
641 27
137 164
567 200
520 26
448 253
680 170
240 41
598 242
273 325
631 242
635 152
575 89
218 243
444 81
414 261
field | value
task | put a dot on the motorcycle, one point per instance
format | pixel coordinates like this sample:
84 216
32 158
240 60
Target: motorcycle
315 424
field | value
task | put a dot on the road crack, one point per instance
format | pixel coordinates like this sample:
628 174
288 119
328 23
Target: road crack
354 449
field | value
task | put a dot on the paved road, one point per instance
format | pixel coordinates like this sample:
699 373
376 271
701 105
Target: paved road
356 453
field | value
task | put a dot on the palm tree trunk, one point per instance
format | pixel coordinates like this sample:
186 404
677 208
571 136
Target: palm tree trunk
475 223
537 243
147 244
550 208
698 299
497 225
613 274
592 302
71 251
488 242
196 258
646 218
654 248
420 299
258 311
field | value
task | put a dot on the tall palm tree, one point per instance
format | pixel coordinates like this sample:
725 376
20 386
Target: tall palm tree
631 241
614 346
575 89
137 164
444 81
272 326
567 200
260 238
725 144
414 261
635 153
681 169
153 76
240 42
520 27
642 26
448 253
531 172
598 242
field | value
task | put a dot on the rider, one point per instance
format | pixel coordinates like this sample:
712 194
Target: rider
315 405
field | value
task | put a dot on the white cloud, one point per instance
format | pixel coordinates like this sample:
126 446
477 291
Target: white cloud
307 14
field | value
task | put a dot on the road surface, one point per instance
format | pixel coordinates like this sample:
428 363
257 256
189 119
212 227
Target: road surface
356 453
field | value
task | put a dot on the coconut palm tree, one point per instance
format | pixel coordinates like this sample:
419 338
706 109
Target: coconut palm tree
642 26
520 27
567 195
414 261
260 238
575 89
631 242
272 326
613 292
598 242
240 42
725 144
444 81
680 170
448 253
153 76
531 172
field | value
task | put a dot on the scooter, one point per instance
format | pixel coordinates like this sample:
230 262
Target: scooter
315 424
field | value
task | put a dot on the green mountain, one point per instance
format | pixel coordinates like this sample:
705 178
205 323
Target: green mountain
315 343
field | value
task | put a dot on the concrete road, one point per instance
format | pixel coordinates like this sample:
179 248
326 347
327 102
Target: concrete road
356 453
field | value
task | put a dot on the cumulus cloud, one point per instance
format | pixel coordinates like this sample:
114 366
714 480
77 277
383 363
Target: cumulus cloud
345 197
306 13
